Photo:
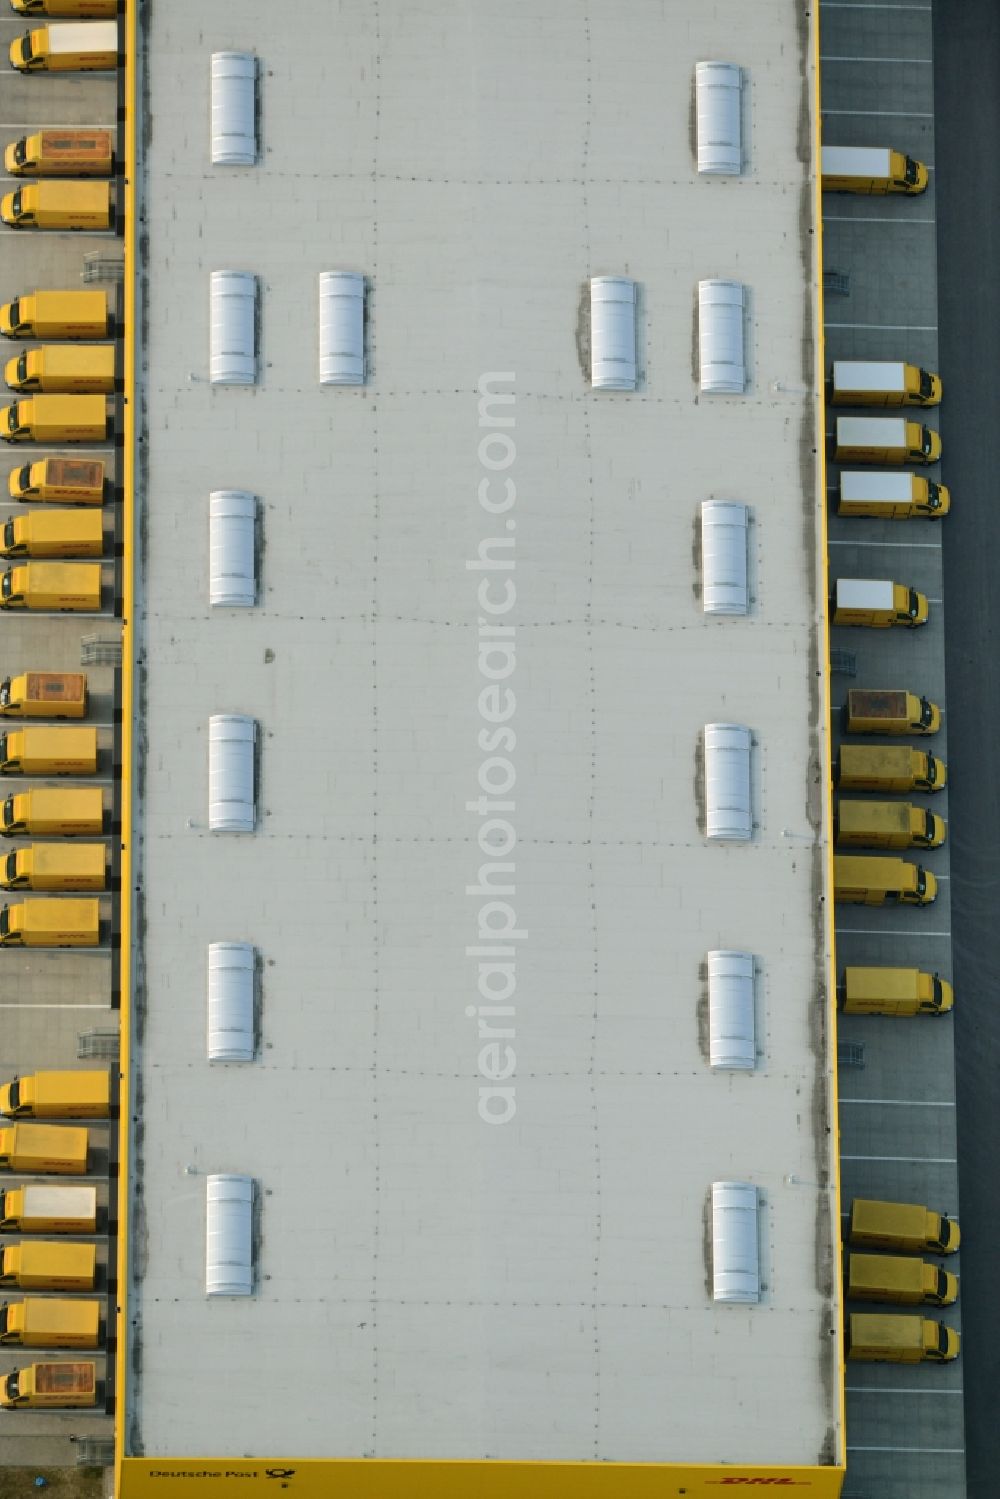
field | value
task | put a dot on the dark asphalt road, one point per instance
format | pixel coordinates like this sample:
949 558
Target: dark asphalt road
967 160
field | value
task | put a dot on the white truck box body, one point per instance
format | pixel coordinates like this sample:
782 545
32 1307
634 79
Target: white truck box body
855 161
880 375
894 489
864 593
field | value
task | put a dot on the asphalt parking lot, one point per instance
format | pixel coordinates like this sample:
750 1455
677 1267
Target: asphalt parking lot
58 1006
905 1424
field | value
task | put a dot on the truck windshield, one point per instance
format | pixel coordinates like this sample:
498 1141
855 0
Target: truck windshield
942 1285
938 992
12 418
933 496
3 1319
926 712
10 868
942 1341
910 174
4 921
10 1386
24 479
15 315
4 692
926 441
22 365
8 806
929 826
15 204
914 603
921 881
20 151
15 1087
932 769
926 385
8 534
947 1233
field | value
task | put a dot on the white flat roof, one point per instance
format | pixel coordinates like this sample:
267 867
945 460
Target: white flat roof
541 1289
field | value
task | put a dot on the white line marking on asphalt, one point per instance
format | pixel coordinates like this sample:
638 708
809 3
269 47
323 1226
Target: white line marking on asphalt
881 114
901 1103
871 931
862 218
934 601
928 546
29 1006
921 62
888 327
948 1451
863 1389
906 1160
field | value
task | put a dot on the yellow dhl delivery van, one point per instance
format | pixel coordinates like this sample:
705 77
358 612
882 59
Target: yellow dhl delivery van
74 481
58 866
71 152
38 751
53 533
57 314
63 812
50 921
55 204
864 880
64 369
44 694
894 991
55 587
81 1094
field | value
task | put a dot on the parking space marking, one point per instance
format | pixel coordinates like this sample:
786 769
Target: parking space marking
863 1389
927 546
29 1006
870 931
906 1160
850 218
881 114
949 1451
901 1103
888 327
920 62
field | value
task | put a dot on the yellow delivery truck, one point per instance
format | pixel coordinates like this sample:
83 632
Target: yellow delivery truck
50 1386
83 1094
53 533
64 369
891 496
95 9
885 439
44 1149
905 1226
878 603
64 812
48 1210
899 1340
86 48
70 152
864 824
50 922
56 419
57 314
48 1265
44 694
879 382
899 1278
55 587
888 767
74 481
894 991
38 751
864 880
55 204
889 711
871 170
50 1322
57 866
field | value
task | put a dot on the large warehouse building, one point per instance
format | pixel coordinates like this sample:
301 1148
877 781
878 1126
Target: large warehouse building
482 1097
